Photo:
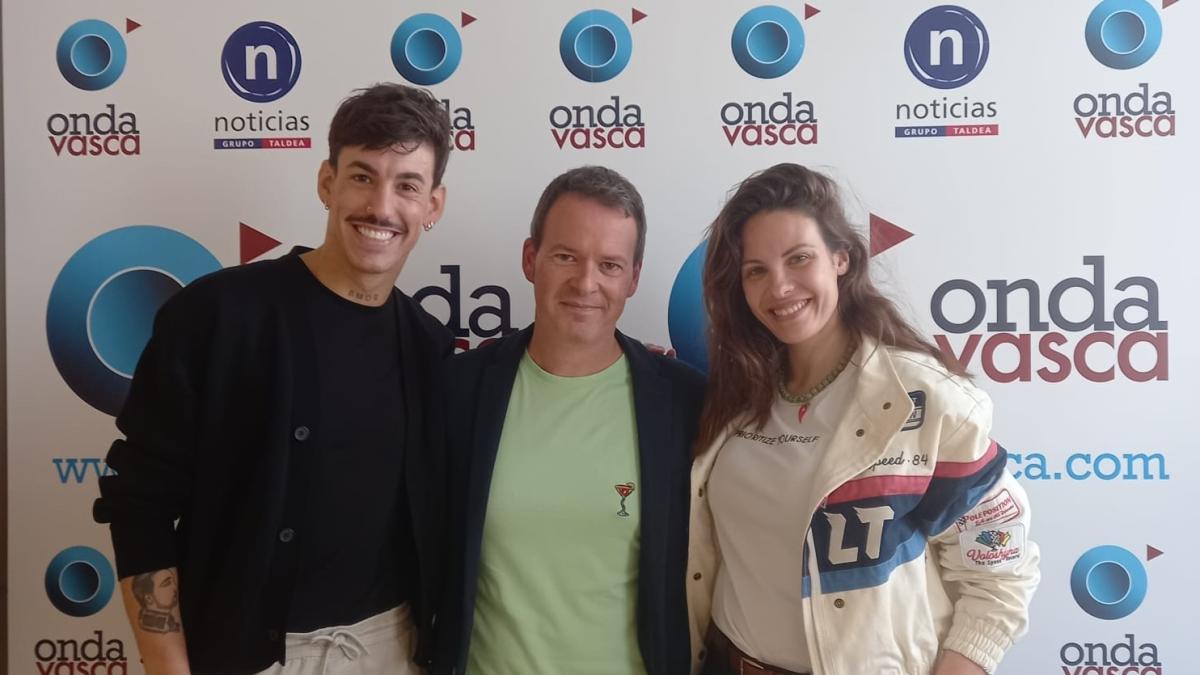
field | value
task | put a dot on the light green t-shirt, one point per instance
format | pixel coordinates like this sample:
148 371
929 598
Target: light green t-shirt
558 569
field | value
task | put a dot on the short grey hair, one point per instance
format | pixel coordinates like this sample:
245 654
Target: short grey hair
600 184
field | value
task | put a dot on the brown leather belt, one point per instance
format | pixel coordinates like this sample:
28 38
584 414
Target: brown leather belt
722 649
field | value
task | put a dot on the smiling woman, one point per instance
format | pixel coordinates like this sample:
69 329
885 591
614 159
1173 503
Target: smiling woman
839 441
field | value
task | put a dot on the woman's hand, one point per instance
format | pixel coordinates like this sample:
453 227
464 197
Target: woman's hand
953 663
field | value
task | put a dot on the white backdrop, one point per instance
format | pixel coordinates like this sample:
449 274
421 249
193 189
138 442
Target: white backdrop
1031 203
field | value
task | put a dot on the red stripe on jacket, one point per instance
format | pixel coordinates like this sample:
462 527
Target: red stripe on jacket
886 486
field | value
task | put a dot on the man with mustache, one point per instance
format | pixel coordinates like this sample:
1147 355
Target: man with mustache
569 457
277 465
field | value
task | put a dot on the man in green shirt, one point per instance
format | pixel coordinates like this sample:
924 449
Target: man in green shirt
569 446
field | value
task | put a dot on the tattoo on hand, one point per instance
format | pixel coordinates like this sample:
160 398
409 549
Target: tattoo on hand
157 593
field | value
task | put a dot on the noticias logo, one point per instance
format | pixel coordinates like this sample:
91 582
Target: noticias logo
79 581
261 62
945 48
102 306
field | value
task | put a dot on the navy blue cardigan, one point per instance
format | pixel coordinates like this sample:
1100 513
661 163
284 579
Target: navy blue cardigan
667 398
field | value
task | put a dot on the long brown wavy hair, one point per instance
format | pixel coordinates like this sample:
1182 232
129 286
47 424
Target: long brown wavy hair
745 359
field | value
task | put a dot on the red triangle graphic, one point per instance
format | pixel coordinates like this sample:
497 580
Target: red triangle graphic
885 235
131 25
638 15
467 19
1168 3
810 11
254 243
1152 553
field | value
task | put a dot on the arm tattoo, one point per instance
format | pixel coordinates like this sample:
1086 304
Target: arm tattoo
157 594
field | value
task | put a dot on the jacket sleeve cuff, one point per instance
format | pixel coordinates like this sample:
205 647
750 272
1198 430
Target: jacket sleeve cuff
979 641
141 547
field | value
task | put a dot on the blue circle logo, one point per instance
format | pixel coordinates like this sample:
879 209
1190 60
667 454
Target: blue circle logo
261 62
91 54
1108 582
102 306
946 47
1123 34
595 45
687 321
426 49
80 581
768 42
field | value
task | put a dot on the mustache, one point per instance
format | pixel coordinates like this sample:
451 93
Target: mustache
371 220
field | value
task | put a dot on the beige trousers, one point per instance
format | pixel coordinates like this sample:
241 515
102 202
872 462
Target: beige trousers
382 644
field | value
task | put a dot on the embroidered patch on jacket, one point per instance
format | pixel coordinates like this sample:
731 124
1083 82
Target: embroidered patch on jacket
917 418
624 489
1000 508
992 548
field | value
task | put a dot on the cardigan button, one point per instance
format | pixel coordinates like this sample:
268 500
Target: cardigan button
287 534
702 493
887 406
697 576
301 433
860 433
839 603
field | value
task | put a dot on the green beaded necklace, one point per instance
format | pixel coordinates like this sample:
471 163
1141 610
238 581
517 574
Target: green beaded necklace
820 386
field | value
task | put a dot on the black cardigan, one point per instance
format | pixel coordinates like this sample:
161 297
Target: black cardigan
667 396
222 403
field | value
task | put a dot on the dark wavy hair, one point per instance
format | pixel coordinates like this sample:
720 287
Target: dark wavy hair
744 357
390 114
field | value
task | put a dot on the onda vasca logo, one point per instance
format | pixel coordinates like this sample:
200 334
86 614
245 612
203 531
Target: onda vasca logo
426 50
768 43
1124 35
91 56
1110 583
1067 330
595 46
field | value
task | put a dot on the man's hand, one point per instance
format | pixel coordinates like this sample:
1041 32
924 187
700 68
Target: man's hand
152 603
659 349
953 663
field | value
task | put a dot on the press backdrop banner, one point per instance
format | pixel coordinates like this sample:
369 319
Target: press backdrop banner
1025 171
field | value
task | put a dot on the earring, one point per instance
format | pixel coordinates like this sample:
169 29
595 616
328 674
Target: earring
428 226
326 206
